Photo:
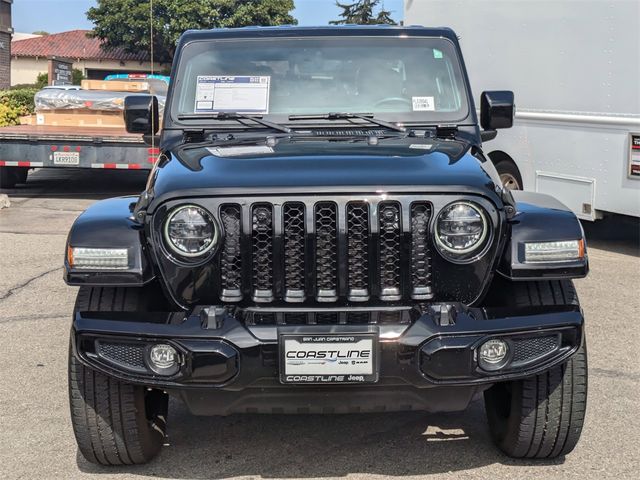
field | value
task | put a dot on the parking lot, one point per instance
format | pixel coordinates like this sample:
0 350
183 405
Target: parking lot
36 440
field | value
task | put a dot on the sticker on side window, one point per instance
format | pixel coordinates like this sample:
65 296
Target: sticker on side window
240 94
423 104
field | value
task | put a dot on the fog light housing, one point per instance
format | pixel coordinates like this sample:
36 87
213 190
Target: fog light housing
163 359
493 354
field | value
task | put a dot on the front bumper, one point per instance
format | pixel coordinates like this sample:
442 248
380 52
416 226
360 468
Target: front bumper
219 353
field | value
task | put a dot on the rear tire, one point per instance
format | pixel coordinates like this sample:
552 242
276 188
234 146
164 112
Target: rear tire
541 416
509 175
114 423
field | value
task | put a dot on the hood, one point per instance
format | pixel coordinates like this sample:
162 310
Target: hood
316 166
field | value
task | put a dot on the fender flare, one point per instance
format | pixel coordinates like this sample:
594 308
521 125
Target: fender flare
110 224
541 218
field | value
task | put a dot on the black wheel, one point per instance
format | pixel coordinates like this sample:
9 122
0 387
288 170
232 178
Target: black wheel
509 175
10 176
114 423
541 416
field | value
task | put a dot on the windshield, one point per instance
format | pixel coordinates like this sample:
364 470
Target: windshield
399 79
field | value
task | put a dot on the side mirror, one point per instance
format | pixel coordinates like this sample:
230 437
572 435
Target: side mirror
496 110
141 114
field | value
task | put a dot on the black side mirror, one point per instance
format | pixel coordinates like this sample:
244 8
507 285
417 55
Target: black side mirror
497 109
141 114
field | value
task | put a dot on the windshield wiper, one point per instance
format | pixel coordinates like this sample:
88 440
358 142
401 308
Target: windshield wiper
236 116
346 116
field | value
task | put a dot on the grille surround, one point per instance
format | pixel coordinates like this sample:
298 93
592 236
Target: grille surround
447 281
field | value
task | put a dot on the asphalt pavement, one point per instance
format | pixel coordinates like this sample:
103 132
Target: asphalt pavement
36 440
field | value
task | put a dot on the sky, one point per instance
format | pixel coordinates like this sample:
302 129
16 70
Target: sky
60 15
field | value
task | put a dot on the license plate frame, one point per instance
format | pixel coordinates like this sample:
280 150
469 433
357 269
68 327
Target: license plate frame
66 158
309 371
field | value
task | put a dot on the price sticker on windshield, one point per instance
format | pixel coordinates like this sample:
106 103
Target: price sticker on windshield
239 94
423 104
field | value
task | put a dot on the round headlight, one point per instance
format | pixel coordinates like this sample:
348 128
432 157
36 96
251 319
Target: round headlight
461 228
190 231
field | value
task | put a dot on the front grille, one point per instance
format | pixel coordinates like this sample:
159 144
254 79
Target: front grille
331 317
325 251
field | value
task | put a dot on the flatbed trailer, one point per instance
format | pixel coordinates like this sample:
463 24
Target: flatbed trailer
23 147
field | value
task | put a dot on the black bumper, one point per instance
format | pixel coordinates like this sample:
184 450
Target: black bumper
229 367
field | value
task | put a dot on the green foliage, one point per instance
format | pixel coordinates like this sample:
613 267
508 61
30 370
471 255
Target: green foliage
9 115
18 101
125 23
76 76
42 80
363 12
40 32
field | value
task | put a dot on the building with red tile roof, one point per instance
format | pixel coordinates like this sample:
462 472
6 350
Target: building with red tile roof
29 56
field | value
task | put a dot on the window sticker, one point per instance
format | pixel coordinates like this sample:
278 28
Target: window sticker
437 53
240 94
239 151
423 104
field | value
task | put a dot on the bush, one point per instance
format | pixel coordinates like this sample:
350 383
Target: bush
9 115
19 100
42 80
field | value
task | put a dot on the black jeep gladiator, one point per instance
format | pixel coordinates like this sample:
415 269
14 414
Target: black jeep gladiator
322 233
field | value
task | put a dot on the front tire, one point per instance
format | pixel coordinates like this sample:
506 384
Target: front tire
114 423
541 416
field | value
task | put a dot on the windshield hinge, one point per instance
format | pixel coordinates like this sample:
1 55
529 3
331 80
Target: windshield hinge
446 131
195 135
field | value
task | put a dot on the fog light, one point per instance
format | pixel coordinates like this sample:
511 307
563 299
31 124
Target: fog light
493 354
163 359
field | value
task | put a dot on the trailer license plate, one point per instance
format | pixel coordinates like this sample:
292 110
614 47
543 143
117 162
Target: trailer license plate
66 158
314 359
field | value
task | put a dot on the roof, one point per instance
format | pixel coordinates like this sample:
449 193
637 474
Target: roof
288 31
72 44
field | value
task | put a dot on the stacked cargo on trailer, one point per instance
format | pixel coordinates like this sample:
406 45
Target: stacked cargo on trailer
78 128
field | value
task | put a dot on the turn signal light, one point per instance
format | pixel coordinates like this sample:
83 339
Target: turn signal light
554 252
98 258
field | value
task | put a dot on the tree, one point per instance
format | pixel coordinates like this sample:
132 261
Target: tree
362 12
125 23
40 32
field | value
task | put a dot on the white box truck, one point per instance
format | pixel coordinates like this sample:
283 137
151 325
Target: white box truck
574 66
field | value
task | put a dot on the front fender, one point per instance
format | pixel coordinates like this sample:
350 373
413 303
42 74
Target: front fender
541 218
109 224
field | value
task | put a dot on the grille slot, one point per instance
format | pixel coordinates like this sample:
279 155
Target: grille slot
420 256
324 251
230 259
389 218
358 233
294 251
326 219
262 252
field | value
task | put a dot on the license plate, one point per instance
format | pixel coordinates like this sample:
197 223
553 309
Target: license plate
66 158
322 359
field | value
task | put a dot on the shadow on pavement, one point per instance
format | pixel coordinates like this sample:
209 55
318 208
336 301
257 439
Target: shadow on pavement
617 233
310 446
80 183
